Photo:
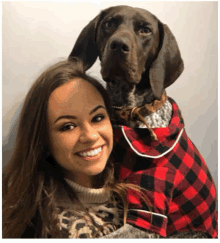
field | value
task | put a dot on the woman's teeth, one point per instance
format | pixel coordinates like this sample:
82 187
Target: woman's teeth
91 152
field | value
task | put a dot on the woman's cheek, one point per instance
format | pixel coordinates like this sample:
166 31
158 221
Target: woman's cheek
108 133
62 140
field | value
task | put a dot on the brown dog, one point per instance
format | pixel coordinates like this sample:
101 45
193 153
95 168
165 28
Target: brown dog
139 55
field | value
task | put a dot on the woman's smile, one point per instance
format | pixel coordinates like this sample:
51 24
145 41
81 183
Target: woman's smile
92 154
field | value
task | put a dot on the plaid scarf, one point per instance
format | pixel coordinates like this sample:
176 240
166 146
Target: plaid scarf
180 188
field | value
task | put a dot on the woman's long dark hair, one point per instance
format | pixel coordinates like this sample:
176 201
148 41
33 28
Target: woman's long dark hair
32 177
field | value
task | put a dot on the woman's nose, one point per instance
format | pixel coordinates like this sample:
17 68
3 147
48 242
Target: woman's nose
88 134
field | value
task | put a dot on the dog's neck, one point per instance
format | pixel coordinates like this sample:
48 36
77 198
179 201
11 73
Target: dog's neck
128 95
154 115
127 100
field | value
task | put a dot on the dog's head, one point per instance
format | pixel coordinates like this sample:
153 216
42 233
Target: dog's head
134 48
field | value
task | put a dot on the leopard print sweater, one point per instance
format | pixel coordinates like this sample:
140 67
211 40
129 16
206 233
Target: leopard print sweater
104 213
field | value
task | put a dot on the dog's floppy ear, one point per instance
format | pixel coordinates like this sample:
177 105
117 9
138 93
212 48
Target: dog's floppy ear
85 47
168 65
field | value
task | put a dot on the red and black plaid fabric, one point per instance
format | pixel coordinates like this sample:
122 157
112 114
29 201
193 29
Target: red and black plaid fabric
178 184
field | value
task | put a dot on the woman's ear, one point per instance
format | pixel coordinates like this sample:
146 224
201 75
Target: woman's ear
168 66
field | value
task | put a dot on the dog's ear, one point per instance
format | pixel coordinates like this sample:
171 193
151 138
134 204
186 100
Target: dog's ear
85 47
168 65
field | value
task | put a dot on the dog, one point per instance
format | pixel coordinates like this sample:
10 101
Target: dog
139 55
140 58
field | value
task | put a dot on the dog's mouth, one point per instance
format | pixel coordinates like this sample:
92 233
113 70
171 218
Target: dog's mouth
128 78
115 71
114 82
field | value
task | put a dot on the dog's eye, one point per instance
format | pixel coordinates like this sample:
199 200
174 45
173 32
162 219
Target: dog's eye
109 24
145 30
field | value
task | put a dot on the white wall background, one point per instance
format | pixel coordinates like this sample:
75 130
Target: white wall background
36 34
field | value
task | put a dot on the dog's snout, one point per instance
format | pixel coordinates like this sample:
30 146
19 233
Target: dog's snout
121 45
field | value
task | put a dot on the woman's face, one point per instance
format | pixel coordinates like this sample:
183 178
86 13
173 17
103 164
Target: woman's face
80 131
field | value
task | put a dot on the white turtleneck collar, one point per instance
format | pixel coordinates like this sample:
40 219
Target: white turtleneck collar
89 195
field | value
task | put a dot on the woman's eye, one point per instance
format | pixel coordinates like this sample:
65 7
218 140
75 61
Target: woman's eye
98 118
68 127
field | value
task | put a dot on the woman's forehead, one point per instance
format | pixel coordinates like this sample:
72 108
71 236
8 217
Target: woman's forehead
74 96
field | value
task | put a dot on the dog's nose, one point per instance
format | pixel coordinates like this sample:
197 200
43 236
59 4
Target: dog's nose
120 44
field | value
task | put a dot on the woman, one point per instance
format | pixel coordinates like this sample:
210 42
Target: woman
60 179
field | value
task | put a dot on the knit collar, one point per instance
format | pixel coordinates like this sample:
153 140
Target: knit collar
159 118
89 195
139 138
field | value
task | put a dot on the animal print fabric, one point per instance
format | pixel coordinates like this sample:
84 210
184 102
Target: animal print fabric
101 220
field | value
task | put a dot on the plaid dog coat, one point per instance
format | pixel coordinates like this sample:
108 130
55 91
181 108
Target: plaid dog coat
179 186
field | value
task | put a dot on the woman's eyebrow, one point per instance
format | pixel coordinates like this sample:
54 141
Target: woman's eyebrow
96 108
74 117
65 116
